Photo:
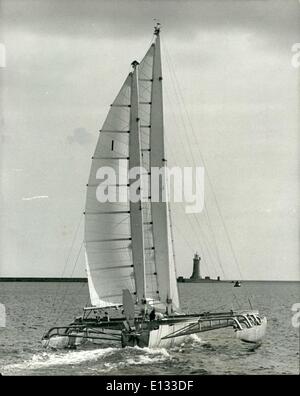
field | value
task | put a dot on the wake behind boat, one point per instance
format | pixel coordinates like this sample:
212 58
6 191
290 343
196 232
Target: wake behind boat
130 257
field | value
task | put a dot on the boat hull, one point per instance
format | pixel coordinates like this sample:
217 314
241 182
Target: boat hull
253 334
62 342
158 337
56 342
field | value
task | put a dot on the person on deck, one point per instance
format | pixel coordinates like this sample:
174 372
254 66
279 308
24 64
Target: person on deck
152 314
159 315
105 317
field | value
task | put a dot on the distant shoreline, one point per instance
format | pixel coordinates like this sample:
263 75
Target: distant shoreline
10 279
84 280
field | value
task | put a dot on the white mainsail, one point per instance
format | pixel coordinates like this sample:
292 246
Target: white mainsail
167 284
145 89
128 245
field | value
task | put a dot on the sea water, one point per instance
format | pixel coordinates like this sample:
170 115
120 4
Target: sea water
33 307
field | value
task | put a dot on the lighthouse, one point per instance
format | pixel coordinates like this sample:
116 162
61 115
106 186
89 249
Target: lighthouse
196 267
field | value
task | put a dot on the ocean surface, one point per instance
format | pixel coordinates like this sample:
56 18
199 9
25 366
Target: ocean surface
33 307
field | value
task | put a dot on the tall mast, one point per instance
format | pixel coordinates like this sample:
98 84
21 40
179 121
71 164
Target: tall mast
161 226
136 213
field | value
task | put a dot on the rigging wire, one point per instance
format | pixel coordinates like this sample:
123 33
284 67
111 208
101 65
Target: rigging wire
62 309
209 180
194 163
198 228
204 164
59 285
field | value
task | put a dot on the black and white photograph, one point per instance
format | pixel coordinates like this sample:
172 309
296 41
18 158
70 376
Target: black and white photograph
149 190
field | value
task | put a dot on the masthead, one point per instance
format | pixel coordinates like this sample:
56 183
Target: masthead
134 64
157 29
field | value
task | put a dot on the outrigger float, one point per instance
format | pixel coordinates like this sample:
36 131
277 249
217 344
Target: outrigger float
129 248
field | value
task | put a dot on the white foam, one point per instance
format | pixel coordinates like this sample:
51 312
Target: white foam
152 351
137 356
195 339
140 360
146 356
45 359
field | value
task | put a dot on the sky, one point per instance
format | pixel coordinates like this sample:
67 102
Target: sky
231 99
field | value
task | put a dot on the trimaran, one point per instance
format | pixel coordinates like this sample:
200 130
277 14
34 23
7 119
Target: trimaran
129 251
